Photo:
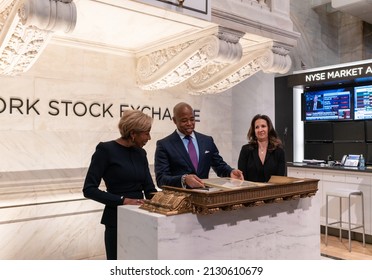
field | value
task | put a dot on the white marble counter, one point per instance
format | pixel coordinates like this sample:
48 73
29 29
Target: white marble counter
286 230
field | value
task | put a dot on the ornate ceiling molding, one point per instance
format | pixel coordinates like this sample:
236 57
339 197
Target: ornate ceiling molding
26 27
171 66
220 77
209 65
204 59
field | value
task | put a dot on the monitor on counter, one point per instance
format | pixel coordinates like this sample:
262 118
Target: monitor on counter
363 102
327 105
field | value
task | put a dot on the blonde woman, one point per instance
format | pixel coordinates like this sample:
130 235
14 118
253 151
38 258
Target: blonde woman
123 166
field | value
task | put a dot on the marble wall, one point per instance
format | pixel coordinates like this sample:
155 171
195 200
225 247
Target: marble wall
51 119
44 216
328 36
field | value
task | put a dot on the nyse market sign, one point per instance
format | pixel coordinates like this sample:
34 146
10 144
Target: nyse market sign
195 8
17 106
341 74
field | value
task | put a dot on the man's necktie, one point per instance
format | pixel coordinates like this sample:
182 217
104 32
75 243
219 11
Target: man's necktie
192 152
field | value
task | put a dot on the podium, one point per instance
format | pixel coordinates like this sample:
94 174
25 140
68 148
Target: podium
286 230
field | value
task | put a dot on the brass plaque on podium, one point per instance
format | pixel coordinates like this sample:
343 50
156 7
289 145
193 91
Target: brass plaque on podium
229 194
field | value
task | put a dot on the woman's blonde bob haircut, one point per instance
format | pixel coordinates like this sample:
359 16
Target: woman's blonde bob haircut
134 121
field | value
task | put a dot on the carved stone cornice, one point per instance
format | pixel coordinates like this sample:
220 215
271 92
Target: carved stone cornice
220 77
206 59
172 66
26 27
209 65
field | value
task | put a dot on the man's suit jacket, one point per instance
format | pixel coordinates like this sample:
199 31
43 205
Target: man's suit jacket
172 160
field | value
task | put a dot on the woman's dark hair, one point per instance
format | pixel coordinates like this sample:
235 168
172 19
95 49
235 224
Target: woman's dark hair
274 140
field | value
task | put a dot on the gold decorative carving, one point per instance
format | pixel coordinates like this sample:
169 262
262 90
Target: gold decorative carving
168 203
222 194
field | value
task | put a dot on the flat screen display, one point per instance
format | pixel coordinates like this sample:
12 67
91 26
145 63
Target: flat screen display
369 131
341 149
363 102
327 105
319 151
319 131
348 132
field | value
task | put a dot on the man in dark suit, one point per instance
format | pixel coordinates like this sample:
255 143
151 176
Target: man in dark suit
316 104
173 165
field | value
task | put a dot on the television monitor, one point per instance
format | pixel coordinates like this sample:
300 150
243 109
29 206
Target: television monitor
363 102
341 149
327 105
319 151
368 131
348 132
368 157
318 131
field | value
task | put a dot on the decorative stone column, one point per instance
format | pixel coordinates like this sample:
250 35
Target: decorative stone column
49 15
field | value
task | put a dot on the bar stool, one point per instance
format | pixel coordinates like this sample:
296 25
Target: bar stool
345 193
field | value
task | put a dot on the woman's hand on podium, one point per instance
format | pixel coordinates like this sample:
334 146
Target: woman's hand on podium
132 201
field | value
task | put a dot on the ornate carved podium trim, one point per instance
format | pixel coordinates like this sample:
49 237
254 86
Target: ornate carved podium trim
172 201
169 203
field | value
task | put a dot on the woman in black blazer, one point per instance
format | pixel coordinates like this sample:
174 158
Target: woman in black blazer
122 164
263 156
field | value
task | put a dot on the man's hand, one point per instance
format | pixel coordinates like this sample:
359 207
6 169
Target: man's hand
237 174
194 181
